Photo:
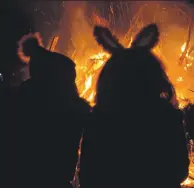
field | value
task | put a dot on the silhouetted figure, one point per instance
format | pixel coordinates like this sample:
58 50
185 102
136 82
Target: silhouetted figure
50 119
7 134
137 137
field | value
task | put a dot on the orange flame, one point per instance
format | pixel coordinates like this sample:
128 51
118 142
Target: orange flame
87 87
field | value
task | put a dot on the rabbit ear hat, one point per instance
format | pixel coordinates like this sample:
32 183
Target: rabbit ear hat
28 45
147 38
106 39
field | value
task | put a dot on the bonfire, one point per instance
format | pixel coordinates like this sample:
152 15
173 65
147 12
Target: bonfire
90 61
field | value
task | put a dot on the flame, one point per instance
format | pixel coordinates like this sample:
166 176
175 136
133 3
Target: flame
183 47
86 84
187 55
186 182
91 98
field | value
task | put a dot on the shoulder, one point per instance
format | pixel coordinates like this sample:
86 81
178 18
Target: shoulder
171 114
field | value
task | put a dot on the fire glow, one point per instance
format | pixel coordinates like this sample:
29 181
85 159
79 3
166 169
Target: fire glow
90 58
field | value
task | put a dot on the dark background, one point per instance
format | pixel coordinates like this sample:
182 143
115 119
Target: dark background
14 23
19 18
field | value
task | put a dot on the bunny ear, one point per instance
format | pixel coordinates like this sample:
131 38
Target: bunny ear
105 38
148 37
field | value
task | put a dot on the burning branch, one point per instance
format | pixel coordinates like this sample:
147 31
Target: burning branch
186 48
53 43
184 53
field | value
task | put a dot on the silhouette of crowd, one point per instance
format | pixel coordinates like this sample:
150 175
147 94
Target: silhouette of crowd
133 137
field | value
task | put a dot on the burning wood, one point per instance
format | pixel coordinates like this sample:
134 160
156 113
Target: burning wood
54 43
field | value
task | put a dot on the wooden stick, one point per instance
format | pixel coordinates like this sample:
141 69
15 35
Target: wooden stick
183 55
54 43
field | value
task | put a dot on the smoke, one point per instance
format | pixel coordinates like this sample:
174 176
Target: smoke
75 31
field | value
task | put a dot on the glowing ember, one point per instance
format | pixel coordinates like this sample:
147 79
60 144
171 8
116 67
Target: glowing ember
180 79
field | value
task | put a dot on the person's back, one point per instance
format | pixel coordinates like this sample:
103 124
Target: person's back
135 147
50 136
50 124
136 138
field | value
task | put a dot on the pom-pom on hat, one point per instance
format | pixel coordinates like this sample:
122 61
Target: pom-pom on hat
42 62
28 45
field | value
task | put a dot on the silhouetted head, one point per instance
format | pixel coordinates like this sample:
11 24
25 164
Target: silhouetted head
44 65
32 52
29 45
131 73
61 71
